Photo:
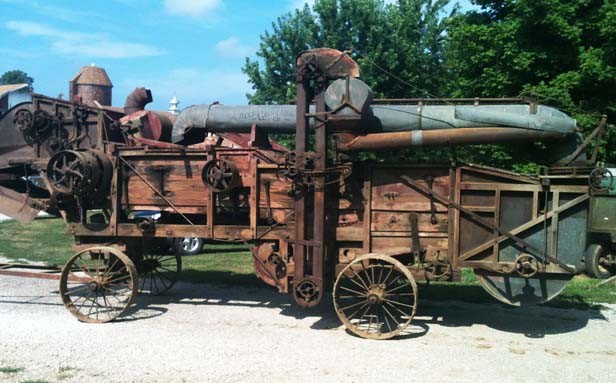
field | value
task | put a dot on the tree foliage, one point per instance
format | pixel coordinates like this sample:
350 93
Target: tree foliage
405 39
16 77
561 51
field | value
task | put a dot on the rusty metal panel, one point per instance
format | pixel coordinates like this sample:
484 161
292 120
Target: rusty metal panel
17 205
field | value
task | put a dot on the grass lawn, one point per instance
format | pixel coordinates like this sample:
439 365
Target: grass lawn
46 240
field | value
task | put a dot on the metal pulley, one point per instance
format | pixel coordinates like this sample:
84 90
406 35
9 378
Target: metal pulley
220 175
307 292
23 120
526 265
601 179
72 172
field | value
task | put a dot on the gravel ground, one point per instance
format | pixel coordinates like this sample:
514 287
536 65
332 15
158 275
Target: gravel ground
207 333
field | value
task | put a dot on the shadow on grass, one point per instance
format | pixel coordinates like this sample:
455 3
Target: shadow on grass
208 249
449 305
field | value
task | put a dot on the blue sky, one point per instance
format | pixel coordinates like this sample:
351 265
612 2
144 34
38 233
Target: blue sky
191 48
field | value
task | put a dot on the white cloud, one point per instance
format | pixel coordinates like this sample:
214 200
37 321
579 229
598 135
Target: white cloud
75 43
232 47
191 86
191 8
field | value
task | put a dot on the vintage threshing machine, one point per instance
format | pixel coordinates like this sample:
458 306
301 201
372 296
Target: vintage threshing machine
318 221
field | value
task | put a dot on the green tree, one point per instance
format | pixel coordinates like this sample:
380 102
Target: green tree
561 51
404 38
16 77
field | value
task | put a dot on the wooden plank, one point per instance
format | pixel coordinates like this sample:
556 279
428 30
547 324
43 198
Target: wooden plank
455 249
254 196
514 187
494 186
553 250
400 221
367 194
165 231
408 234
486 209
451 216
499 173
497 220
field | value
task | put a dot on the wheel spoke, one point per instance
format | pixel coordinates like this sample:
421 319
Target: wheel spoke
353 291
397 288
363 283
76 290
380 274
362 317
385 318
398 303
351 305
396 308
356 311
392 282
391 315
109 270
118 279
391 269
370 282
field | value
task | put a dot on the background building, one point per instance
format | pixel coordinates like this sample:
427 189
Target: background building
91 83
13 94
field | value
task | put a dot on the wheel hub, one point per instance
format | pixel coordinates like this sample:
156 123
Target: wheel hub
94 286
376 295
150 264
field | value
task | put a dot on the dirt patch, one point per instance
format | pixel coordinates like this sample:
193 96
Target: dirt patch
234 334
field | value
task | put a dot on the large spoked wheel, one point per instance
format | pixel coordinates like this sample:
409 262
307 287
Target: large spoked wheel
159 272
375 296
98 284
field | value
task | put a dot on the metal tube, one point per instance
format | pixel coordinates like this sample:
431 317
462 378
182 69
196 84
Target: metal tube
444 137
377 119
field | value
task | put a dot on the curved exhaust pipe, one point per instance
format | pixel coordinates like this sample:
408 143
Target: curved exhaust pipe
137 100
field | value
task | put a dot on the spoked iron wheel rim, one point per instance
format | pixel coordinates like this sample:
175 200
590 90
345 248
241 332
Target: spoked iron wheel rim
98 284
375 296
159 272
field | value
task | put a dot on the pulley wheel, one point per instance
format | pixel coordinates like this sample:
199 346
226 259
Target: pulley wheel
98 284
71 172
23 120
220 175
601 179
375 296
515 290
